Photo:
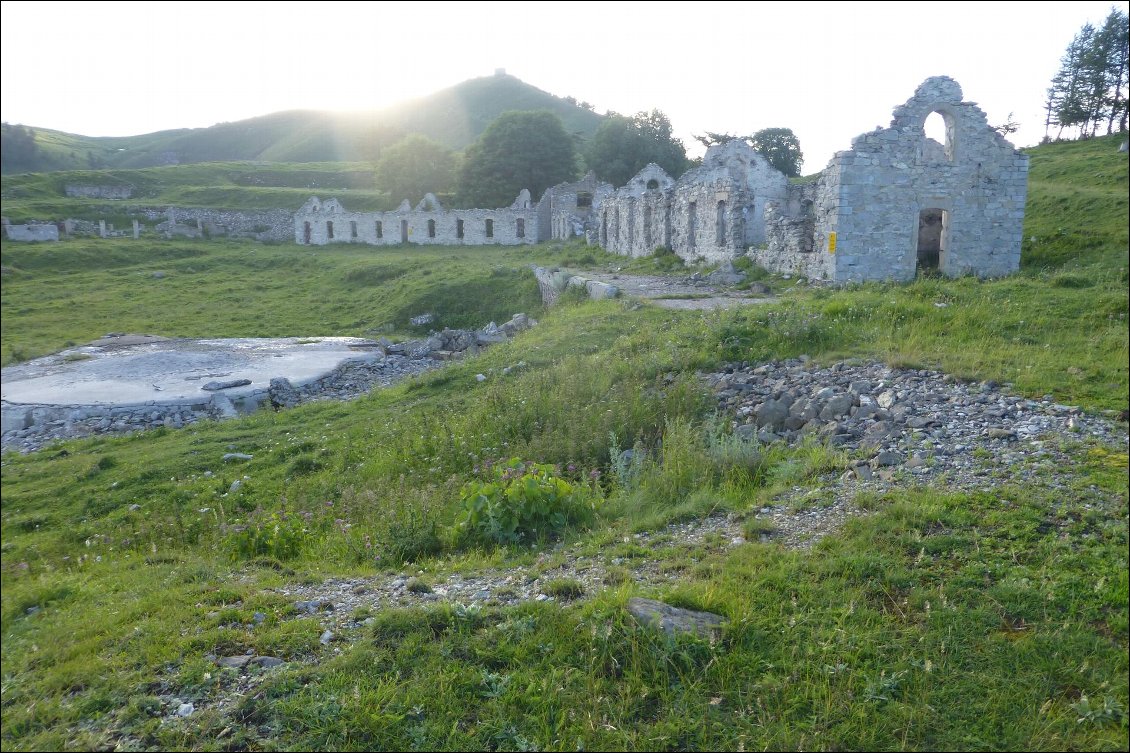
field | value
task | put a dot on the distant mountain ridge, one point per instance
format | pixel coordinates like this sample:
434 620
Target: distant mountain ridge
455 117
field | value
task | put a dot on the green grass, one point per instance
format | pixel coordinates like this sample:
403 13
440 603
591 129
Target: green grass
254 290
245 186
946 619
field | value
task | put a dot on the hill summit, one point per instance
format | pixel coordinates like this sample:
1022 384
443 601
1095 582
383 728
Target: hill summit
454 117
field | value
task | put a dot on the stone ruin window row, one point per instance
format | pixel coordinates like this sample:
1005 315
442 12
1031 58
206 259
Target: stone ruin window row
460 231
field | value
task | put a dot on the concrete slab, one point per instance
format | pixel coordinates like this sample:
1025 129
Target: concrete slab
132 370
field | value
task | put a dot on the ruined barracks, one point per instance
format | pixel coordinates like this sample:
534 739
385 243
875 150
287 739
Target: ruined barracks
893 205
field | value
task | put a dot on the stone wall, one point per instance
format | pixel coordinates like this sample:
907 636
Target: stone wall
567 210
635 220
319 223
81 191
31 232
714 212
265 225
966 196
790 225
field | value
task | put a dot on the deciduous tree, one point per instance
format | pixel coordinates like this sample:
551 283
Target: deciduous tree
416 165
520 149
623 146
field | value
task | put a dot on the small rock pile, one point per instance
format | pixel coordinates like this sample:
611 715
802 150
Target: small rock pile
920 420
391 362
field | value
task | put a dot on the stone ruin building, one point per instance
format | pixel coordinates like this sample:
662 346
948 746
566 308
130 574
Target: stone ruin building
567 209
898 202
893 205
320 222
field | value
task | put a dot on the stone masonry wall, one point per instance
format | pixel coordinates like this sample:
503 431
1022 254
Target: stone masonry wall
32 232
891 175
791 245
319 223
266 225
568 210
78 190
635 220
714 212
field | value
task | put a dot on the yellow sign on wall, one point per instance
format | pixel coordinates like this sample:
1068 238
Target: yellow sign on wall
831 243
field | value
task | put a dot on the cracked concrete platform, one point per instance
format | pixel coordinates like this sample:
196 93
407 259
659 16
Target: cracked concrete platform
141 369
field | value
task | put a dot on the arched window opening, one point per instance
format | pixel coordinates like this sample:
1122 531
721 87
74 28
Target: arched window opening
652 184
939 132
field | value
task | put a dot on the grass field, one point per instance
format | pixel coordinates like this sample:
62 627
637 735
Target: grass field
990 619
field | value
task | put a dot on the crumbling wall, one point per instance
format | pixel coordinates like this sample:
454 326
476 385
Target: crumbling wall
266 225
634 220
891 175
714 212
567 210
791 245
319 223
83 191
31 232
718 210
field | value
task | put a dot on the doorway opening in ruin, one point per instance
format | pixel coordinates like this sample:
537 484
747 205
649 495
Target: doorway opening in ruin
521 228
490 228
584 200
938 130
604 229
459 229
933 229
720 224
353 229
380 229
404 231
692 224
431 228
329 229
306 233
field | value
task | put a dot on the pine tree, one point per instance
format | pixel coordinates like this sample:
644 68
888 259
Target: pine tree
1090 85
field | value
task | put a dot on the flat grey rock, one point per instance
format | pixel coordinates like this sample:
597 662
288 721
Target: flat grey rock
226 385
675 620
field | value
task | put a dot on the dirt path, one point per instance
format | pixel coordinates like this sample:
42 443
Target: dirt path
681 292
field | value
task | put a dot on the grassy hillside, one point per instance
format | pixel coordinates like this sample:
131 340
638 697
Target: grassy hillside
942 616
220 185
454 117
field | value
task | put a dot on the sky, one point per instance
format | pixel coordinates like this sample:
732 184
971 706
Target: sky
828 71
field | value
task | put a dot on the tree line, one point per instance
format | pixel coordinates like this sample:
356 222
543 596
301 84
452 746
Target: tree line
531 149
1089 91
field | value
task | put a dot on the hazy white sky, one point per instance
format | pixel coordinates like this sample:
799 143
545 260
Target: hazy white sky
829 71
